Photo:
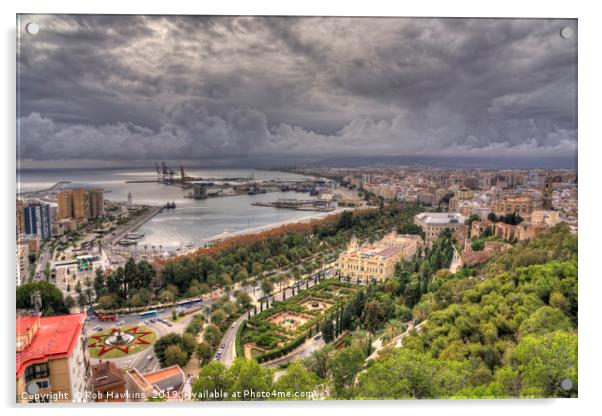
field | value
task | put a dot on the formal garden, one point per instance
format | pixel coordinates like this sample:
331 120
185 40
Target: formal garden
287 324
120 341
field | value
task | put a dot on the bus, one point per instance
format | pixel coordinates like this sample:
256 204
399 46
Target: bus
147 314
107 316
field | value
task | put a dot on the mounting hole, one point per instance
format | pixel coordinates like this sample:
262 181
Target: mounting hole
32 28
566 32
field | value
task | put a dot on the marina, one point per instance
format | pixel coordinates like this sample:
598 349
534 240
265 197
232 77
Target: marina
187 222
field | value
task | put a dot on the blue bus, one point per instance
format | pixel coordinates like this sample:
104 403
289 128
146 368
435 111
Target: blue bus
147 314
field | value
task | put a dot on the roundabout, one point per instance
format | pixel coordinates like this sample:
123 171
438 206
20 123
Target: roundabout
119 342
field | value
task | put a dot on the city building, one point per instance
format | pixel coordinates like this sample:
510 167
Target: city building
36 217
377 260
80 204
454 204
433 223
425 197
20 217
464 194
67 274
481 228
96 203
22 261
472 183
471 257
549 218
522 206
168 382
60 227
65 205
51 359
107 383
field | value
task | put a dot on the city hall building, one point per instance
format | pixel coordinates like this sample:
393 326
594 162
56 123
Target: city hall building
377 261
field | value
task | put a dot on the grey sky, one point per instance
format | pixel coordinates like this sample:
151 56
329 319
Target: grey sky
176 87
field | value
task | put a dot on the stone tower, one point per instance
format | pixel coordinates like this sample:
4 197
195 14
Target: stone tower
546 194
353 244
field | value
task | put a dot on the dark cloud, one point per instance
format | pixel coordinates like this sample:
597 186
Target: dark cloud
136 87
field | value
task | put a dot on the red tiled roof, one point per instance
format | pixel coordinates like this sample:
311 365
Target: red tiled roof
56 338
162 374
26 322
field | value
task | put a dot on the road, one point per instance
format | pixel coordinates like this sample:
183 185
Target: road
145 360
396 342
303 351
456 261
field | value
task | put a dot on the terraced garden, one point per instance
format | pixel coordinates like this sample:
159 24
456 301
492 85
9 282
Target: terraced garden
284 326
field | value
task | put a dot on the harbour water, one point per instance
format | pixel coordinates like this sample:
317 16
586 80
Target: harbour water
193 222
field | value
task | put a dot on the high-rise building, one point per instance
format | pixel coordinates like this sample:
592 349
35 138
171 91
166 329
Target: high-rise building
65 209
20 217
80 204
37 220
96 203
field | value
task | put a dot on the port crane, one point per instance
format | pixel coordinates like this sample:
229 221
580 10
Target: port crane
184 177
164 173
254 187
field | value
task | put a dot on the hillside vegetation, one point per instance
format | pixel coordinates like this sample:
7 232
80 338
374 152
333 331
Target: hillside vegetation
508 331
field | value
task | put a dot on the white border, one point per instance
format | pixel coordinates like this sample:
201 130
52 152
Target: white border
589 203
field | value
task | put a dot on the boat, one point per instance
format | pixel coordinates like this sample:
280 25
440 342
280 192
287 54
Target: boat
255 191
134 236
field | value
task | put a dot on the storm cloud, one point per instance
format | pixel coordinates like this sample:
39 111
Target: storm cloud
184 87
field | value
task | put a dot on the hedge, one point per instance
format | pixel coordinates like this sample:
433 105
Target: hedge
237 344
270 355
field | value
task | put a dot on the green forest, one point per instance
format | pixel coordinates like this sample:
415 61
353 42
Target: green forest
508 331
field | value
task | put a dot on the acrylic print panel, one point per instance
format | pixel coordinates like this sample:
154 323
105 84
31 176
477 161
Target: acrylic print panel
295 208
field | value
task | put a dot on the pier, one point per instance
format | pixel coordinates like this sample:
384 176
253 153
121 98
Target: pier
298 204
54 188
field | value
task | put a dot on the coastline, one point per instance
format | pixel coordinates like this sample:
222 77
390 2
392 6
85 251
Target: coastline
263 228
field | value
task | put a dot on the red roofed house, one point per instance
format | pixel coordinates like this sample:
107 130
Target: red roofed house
52 365
167 383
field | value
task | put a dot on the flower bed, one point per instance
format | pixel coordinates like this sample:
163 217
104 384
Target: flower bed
285 326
